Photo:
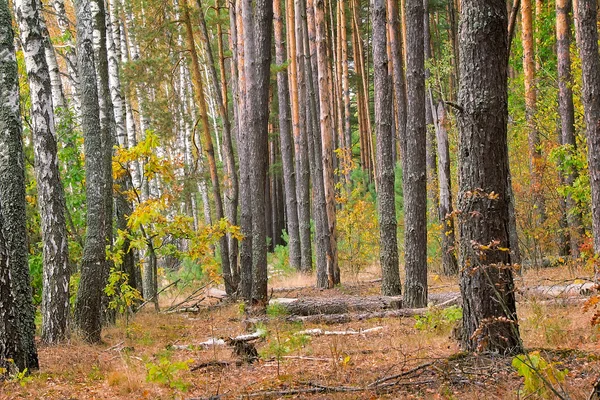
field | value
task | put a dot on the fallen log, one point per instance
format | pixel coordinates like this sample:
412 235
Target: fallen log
348 304
321 332
554 291
331 319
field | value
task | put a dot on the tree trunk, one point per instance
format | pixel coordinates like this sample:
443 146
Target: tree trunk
327 138
530 111
446 216
567 115
231 179
345 83
324 279
17 327
388 253
398 75
590 68
287 151
258 19
300 128
430 152
208 145
55 294
415 174
89 296
486 281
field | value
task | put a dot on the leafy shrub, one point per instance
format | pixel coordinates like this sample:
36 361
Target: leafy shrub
438 319
542 378
165 373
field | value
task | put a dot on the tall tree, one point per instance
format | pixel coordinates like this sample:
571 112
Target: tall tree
414 174
486 281
397 59
587 30
531 108
55 293
207 144
388 253
285 138
257 20
327 136
230 179
449 263
567 113
297 79
17 327
89 296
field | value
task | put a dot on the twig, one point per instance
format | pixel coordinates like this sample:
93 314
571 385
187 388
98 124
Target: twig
156 295
400 375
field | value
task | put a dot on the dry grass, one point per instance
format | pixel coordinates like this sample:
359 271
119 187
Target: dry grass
117 369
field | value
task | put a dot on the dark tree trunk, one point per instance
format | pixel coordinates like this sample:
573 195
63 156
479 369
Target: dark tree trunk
258 19
415 175
55 294
486 281
567 114
590 68
17 327
89 296
388 240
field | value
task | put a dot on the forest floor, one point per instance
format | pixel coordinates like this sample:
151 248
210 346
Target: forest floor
160 356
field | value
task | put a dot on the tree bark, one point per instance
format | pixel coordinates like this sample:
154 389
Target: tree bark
231 178
300 126
446 216
486 281
386 203
17 327
327 138
258 19
567 115
415 174
287 151
208 145
531 110
590 69
398 75
55 293
89 296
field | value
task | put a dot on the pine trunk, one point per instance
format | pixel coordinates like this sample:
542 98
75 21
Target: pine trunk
486 281
567 115
386 203
590 68
285 139
415 172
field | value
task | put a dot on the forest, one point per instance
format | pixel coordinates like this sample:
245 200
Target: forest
325 199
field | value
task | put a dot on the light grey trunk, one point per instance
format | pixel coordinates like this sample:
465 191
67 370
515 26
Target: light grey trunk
17 327
55 294
70 54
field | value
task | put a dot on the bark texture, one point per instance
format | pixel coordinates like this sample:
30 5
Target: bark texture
415 174
89 297
285 139
17 327
258 18
55 293
567 114
386 204
486 281
590 68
